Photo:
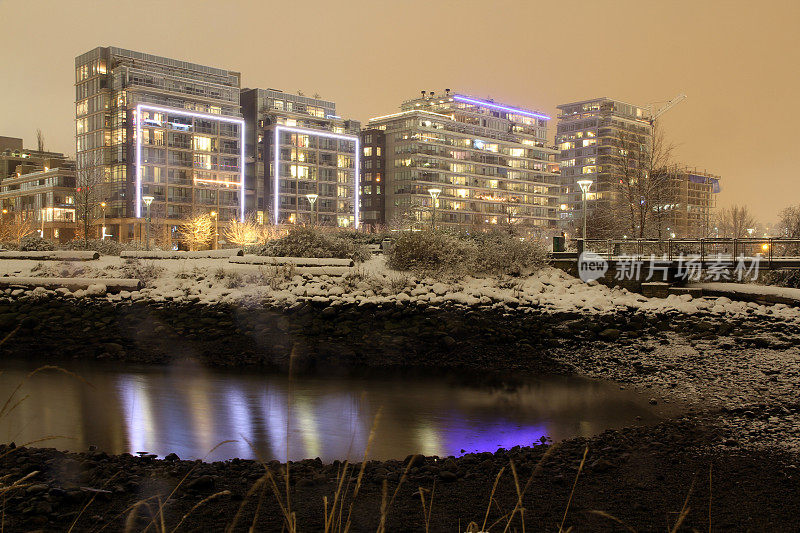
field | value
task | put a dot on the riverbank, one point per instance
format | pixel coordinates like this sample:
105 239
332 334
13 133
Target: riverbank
641 476
731 367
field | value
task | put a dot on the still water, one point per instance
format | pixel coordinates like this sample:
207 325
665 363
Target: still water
189 410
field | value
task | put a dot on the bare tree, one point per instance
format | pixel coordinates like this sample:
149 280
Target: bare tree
91 190
734 221
40 140
14 228
641 164
789 224
198 231
243 233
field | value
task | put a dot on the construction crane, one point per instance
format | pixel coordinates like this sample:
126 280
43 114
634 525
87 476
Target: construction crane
669 105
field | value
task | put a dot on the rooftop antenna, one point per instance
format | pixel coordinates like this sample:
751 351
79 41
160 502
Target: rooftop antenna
447 92
423 94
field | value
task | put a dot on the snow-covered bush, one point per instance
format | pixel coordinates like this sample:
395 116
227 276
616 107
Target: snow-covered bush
146 272
34 243
782 278
479 253
104 246
431 251
499 253
302 241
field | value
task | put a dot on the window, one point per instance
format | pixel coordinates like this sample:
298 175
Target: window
202 143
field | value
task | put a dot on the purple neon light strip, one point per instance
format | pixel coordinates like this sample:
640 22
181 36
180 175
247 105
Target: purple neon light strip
218 118
354 138
514 110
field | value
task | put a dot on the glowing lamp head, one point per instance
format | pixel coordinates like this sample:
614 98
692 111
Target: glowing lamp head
102 204
312 198
585 185
434 193
148 200
564 207
765 246
213 214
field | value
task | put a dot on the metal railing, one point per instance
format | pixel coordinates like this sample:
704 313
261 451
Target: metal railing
773 251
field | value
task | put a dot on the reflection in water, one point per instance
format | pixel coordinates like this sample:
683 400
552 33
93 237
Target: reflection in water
189 410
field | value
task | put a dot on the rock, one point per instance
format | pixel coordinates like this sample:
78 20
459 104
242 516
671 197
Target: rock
37 489
172 457
204 482
609 334
447 476
414 461
653 401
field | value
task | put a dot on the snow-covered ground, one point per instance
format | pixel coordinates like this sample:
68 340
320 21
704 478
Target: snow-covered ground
219 280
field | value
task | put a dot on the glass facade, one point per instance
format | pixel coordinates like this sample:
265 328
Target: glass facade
301 148
183 173
491 163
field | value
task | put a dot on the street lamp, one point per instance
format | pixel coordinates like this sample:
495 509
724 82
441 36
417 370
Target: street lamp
103 205
750 231
584 185
435 197
216 229
147 201
312 198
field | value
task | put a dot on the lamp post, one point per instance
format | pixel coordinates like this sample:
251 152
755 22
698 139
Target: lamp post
435 198
147 201
216 229
312 198
103 206
584 185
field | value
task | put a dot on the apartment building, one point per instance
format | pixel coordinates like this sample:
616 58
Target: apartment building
468 162
153 126
691 200
372 185
12 155
306 159
589 136
42 197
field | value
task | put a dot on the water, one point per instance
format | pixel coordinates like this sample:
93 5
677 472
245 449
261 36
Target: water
189 410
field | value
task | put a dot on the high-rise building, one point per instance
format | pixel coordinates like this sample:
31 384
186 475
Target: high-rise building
372 186
305 165
690 199
589 136
153 126
489 160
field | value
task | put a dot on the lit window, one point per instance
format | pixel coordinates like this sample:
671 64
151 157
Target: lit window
202 143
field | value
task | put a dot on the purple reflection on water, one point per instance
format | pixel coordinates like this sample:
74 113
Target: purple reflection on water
462 434
189 410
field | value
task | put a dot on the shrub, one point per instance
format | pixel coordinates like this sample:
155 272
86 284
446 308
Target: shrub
104 247
430 251
304 241
782 278
487 253
144 272
34 243
498 252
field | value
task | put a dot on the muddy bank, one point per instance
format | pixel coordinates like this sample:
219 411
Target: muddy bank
642 476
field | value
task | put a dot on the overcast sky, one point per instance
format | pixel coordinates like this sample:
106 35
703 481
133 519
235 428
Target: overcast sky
737 62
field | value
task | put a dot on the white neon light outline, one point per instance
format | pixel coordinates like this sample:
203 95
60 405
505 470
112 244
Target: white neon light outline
276 181
223 182
218 118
